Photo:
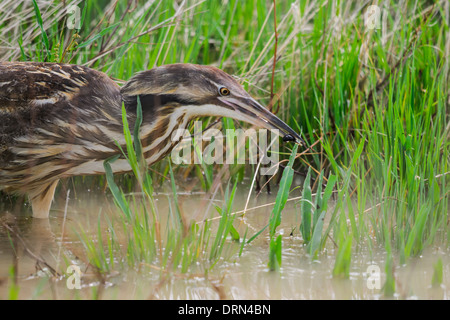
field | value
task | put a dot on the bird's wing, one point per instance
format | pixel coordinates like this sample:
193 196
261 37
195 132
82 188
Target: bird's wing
27 84
32 94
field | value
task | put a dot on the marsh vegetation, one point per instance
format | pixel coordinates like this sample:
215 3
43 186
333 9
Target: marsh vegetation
368 93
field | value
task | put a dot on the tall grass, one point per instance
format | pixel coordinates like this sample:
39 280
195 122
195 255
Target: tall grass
371 103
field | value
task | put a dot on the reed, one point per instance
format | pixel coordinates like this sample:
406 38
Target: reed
371 103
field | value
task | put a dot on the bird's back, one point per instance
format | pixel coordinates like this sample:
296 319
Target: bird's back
31 93
44 108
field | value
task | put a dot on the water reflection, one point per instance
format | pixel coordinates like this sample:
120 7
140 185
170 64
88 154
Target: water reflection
237 277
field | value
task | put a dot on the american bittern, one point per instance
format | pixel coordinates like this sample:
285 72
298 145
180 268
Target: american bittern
60 120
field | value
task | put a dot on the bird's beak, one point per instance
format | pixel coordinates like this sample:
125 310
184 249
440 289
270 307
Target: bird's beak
251 111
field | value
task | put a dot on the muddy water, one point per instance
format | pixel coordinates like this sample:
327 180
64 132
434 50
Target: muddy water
43 245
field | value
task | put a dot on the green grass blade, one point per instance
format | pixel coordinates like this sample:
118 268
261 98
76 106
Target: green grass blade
97 36
306 209
283 193
41 26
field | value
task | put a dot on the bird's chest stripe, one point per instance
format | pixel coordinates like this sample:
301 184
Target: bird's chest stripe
161 131
160 140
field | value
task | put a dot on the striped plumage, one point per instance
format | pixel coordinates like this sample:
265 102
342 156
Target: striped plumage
60 120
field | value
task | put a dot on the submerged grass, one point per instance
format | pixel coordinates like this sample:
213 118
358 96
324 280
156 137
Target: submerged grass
372 103
275 218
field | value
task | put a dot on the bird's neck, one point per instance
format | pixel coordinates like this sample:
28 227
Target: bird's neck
160 136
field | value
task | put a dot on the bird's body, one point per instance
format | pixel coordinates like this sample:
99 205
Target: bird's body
51 124
60 120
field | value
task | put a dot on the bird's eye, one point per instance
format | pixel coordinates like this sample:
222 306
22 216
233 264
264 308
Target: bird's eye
224 91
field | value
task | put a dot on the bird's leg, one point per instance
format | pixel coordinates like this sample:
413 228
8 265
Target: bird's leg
41 199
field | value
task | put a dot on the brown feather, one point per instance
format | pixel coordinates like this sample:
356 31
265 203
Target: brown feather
41 108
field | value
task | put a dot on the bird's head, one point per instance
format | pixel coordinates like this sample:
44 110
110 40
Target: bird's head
200 91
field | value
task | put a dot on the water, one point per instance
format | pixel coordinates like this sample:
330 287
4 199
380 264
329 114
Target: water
234 277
